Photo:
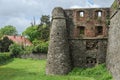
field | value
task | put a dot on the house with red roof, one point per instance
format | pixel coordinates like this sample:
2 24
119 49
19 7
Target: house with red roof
20 40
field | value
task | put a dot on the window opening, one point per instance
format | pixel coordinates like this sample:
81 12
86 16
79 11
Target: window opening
99 30
81 30
99 14
81 14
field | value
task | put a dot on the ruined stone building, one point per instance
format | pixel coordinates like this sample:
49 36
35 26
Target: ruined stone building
87 34
79 38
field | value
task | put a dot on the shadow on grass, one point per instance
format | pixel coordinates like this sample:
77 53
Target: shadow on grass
14 74
6 61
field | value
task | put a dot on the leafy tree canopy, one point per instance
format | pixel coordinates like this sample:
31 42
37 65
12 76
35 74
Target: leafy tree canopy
45 19
8 30
31 32
40 31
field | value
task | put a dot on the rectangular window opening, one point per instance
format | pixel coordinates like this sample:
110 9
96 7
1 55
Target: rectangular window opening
81 14
99 14
81 30
99 30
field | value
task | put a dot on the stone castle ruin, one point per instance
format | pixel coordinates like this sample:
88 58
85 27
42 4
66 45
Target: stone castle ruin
79 38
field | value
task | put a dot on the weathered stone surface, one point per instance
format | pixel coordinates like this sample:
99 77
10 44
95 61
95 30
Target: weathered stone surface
88 52
90 22
58 59
102 50
113 52
77 50
89 48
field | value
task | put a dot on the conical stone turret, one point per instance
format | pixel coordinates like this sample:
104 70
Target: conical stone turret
58 58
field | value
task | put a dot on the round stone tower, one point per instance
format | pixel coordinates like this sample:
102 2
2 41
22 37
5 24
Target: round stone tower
58 58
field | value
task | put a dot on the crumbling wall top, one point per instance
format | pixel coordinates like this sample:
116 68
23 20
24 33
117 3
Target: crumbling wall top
58 12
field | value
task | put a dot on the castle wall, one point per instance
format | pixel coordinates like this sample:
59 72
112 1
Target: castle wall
90 21
88 52
58 58
89 48
113 52
78 38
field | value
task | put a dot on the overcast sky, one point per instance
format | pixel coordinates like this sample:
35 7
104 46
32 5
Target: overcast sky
20 13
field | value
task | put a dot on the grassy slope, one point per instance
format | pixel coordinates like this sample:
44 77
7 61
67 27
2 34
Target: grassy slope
21 69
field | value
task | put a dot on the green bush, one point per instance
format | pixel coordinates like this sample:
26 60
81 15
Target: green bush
16 50
28 50
42 47
4 57
4 44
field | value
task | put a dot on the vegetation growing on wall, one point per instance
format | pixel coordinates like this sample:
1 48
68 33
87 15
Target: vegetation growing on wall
115 5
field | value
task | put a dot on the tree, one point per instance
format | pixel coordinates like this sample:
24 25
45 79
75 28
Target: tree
45 19
44 32
4 44
8 30
31 33
44 27
39 32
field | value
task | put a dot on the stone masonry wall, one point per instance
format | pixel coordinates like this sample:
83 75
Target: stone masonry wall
90 48
113 52
88 52
58 58
90 21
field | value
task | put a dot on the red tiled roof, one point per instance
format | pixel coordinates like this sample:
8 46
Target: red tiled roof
20 40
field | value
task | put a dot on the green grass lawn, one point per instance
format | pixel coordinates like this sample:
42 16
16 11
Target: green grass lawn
28 69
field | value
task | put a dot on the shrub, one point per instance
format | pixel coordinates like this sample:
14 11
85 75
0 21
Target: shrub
4 44
16 50
4 57
42 47
28 50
